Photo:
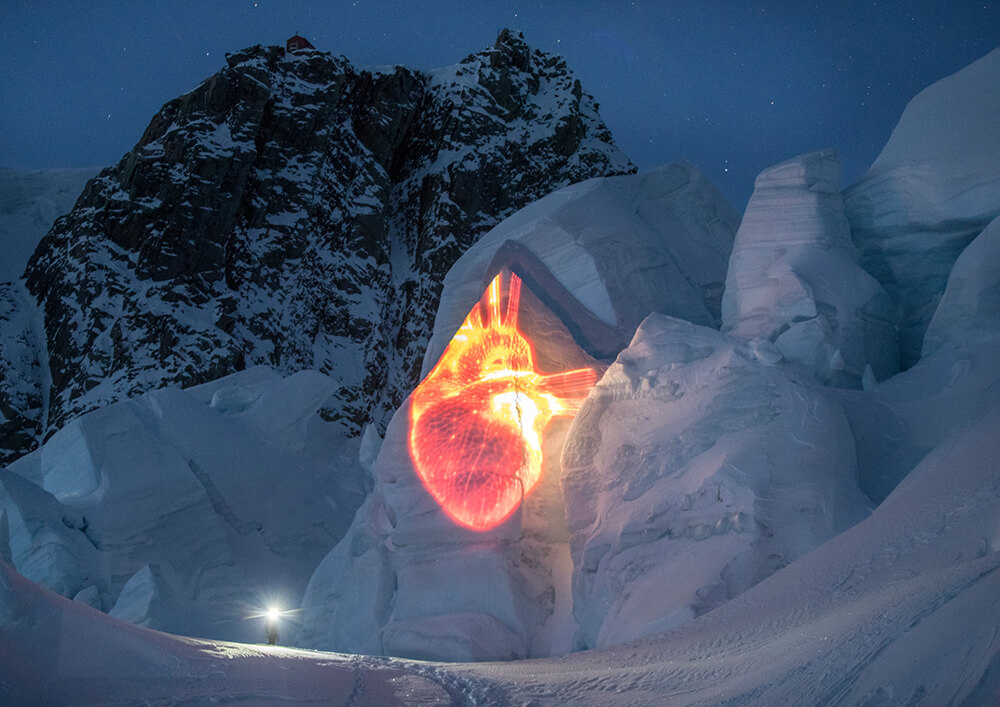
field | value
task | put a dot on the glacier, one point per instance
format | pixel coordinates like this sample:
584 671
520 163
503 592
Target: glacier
187 511
592 257
783 489
699 465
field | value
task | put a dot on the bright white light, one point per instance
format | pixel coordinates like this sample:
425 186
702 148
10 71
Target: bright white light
273 613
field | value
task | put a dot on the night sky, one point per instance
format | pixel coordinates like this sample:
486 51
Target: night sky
733 87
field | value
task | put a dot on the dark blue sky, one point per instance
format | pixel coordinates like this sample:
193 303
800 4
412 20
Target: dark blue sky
732 86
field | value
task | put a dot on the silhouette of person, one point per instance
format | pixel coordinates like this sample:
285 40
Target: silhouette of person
271 629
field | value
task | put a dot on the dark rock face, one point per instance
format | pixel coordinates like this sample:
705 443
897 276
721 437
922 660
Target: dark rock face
21 377
299 212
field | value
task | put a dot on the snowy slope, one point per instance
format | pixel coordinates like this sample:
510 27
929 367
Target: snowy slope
900 609
30 201
24 375
99 660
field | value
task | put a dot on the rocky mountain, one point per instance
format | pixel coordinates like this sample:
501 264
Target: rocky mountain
30 201
295 211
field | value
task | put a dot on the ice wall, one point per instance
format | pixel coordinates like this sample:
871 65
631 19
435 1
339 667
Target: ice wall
955 382
408 581
595 258
969 309
699 465
187 510
619 248
933 188
794 278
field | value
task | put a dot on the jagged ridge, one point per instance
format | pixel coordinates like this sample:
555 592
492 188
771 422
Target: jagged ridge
299 212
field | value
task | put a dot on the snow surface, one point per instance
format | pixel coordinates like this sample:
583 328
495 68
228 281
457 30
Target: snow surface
953 119
900 609
30 201
699 465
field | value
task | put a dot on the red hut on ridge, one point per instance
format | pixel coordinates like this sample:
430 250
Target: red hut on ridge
296 42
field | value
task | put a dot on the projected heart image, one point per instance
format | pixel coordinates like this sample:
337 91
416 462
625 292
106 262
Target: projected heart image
477 419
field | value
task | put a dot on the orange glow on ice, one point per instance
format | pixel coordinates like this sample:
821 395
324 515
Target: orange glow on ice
476 420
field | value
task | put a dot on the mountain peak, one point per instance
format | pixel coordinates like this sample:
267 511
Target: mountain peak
511 50
300 213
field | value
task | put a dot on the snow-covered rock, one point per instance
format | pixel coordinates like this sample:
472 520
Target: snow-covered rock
698 466
621 247
794 278
24 375
183 512
933 188
298 212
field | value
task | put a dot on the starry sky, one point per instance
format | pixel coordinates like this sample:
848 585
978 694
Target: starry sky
732 86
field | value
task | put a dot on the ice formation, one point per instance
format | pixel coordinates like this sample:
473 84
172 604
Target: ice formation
594 257
969 309
698 466
610 250
794 278
933 188
389 587
183 510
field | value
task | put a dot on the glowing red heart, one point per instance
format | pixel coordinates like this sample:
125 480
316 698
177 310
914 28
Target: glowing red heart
476 420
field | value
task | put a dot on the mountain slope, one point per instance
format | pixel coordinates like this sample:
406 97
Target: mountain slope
298 212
